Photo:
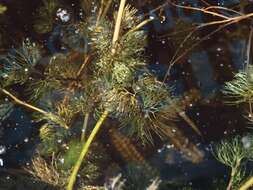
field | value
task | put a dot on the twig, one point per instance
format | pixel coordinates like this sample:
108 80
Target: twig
118 24
200 9
100 12
85 62
22 103
108 4
48 115
189 122
143 23
173 61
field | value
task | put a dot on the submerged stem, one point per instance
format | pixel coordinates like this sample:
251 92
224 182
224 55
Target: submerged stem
85 124
232 175
247 184
84 151
48 115
22 103
118 23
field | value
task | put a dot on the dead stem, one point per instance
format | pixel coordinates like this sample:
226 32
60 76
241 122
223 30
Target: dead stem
45 172
85 62
100 12
183 115
224 8
108 4
199 9
22 103
173 61
227 21
118 24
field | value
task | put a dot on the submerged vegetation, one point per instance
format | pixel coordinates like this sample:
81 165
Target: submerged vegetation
99 88
235 153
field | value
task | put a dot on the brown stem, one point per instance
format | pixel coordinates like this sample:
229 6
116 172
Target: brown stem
189 122
20 102
117 24
48 115
100 12
85 62
108 4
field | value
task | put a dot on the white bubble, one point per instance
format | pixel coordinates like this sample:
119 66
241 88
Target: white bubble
61 160
246 140
2 149
63 15
151 17
219 49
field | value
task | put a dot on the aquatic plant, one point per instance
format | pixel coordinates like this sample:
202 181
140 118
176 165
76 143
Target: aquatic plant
6 109
45 19
234 153
109 78
116 183
18 64
41 170
240 90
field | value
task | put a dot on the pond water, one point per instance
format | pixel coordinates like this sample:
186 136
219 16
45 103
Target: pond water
204 68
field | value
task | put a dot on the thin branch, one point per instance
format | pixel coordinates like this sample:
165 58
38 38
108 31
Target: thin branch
183 115
173 61
22 103
118 23
108 4
200 9
143 23
100 12
48 115
85 62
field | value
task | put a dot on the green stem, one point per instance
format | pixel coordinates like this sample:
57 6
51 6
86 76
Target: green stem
84 151
232 174
85 124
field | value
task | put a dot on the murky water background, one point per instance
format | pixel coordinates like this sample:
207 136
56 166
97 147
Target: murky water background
206 68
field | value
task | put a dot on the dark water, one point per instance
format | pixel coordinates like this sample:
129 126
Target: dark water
206 68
